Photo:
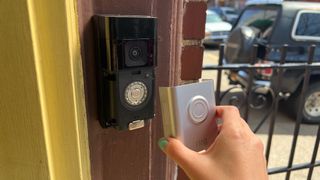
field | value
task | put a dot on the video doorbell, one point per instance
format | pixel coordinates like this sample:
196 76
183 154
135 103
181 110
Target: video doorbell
188 114
126 56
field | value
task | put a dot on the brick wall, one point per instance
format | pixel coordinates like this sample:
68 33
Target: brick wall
193 29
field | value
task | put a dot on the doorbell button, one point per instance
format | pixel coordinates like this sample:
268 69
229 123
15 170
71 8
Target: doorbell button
136 93
198 109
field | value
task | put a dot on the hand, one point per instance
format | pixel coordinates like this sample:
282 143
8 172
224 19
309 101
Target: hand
236 152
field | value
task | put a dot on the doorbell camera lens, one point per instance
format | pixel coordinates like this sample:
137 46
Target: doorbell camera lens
135 53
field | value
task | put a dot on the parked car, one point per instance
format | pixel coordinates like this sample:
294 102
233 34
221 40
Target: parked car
217 30
272 25
228 14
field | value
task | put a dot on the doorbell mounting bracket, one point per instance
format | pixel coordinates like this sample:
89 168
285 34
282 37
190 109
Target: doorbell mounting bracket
126 52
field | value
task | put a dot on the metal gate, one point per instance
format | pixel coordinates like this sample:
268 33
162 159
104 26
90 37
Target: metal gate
248 97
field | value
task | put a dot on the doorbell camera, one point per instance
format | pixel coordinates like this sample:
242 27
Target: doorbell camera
188 114
136 53
126 57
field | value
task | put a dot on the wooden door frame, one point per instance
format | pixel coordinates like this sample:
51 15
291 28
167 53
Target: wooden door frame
42 95
54 28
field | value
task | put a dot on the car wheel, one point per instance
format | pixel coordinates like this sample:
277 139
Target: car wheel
311 108
311 104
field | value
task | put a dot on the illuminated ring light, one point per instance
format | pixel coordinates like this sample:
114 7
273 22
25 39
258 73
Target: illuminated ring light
136 93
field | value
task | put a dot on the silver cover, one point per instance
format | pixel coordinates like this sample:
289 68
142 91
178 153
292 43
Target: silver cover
188 113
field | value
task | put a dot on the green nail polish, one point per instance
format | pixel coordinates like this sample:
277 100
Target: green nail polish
162 143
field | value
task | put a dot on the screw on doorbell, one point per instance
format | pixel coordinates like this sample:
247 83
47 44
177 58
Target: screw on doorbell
188 113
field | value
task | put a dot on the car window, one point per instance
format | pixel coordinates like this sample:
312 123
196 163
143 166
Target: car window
218 11
307 26
231 12
260 18
212 18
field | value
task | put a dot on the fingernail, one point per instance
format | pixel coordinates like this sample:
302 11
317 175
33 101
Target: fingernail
162 143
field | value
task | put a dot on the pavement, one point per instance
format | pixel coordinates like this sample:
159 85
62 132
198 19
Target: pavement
283 133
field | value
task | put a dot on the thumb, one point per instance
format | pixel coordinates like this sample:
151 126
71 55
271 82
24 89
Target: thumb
178 152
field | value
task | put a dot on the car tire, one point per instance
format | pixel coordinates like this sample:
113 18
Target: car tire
311 104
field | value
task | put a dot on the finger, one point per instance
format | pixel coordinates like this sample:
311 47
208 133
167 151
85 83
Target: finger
219 122
230 116
246 126
176 151
219 126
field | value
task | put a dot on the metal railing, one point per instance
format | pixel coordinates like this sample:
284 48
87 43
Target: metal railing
277 95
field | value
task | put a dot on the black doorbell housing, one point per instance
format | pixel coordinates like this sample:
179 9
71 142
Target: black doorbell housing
126 55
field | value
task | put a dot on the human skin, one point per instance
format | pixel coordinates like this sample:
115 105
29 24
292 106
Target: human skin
236 152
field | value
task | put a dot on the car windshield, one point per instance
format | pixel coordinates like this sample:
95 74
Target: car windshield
260 18
213 18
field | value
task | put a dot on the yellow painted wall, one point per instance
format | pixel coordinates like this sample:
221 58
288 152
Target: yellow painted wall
43 132
22 142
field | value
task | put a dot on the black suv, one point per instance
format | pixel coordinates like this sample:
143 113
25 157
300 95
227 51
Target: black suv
270 26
